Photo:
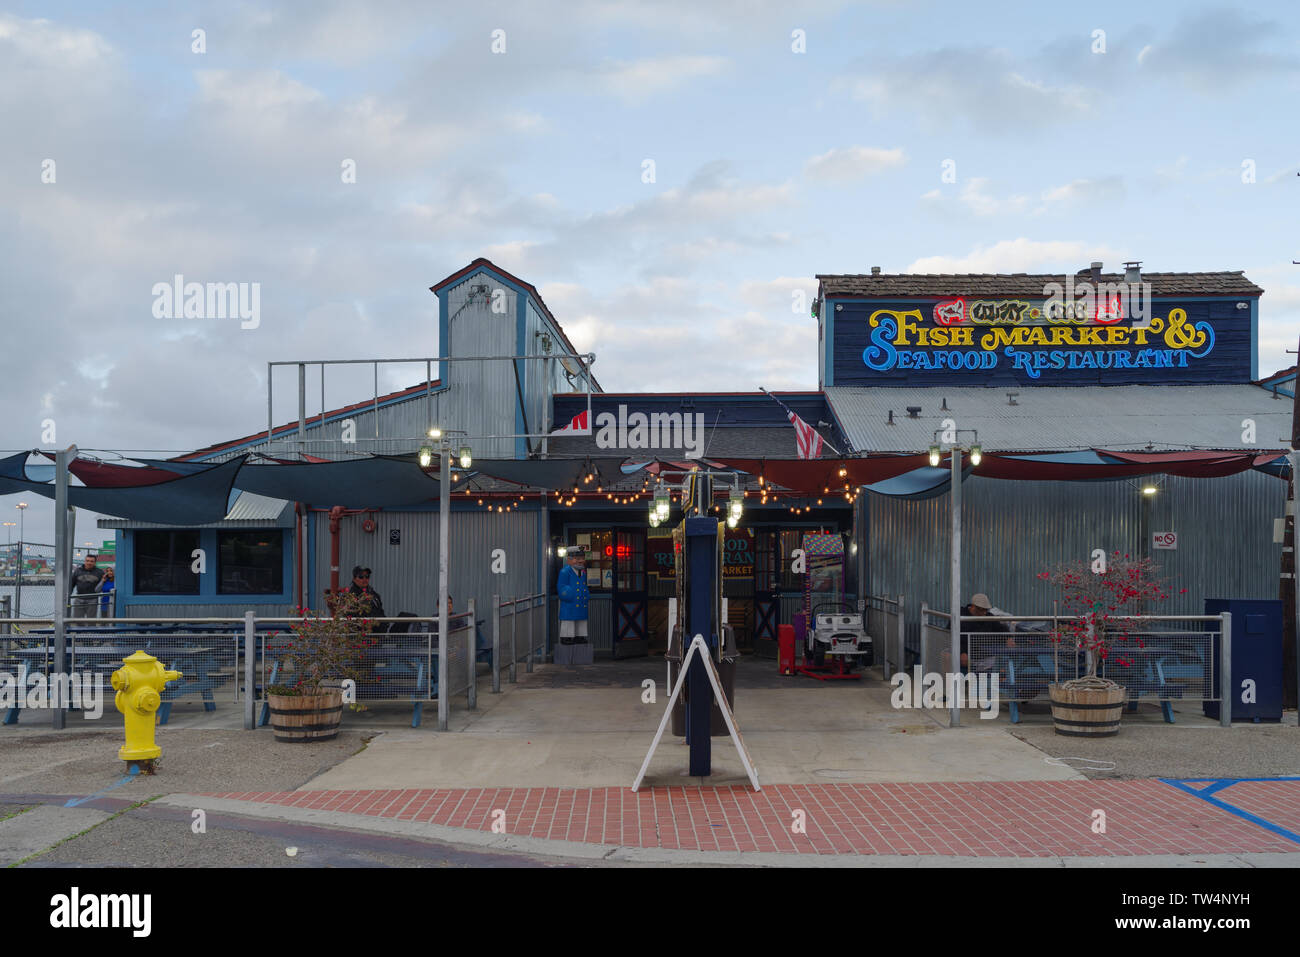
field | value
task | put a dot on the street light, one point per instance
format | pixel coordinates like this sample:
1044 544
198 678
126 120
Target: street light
442 445
662 505
954 605
737 507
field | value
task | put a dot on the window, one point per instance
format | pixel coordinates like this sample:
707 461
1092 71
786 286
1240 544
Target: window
251 563
163 562
600 559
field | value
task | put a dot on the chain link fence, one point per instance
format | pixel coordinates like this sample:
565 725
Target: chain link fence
398 660
1166 658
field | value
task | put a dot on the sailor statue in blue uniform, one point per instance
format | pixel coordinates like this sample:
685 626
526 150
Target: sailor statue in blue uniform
572 588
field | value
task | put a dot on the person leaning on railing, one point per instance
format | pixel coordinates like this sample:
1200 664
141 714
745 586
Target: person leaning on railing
83 587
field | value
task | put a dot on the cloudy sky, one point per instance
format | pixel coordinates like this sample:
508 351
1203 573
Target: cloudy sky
782 145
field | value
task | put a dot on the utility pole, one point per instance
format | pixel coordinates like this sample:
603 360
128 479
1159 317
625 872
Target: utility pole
1287 575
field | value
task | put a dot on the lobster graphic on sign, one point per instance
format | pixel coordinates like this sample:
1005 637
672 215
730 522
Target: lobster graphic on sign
950 312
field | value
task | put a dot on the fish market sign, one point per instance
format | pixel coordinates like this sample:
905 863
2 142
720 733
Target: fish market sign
1033 338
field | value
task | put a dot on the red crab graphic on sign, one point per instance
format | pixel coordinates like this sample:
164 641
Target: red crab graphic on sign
950 312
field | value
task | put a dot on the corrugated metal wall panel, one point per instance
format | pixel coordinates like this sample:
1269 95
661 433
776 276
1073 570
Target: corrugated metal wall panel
406 575
1013 530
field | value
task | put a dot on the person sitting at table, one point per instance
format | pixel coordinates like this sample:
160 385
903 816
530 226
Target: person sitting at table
370 600
980 607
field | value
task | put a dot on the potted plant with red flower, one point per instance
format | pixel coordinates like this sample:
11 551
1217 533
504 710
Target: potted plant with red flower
318 654
1101 600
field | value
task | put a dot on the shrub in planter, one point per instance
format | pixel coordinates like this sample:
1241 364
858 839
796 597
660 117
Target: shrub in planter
319 653
1101 599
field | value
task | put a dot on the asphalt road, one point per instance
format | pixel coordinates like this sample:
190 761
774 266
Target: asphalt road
145 835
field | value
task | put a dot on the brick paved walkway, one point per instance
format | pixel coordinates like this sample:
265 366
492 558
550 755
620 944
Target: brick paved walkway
1005 819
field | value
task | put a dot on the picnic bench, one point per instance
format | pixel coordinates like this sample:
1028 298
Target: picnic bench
393 668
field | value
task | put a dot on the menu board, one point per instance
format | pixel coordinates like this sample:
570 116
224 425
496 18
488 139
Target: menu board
737 553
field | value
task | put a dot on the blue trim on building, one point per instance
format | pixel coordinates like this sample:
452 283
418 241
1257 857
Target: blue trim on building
521 395
1254 338
443 324
828 343
309 576
207 593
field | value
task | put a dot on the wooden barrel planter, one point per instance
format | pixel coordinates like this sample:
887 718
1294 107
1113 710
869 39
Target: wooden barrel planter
306 717
1087 712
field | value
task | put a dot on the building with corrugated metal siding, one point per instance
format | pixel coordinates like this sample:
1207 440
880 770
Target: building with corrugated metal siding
1062 380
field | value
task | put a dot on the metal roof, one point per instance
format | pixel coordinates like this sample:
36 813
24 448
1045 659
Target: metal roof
249 511
776 442
1054 418
905 285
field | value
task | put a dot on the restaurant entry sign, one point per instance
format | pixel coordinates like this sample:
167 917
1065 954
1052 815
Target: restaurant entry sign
969 341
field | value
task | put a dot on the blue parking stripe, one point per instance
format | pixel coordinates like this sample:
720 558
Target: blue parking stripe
1219 784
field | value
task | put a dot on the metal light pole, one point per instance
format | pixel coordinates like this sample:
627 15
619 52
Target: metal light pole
955 452
18 574
442 447
444 529
63 559
955 598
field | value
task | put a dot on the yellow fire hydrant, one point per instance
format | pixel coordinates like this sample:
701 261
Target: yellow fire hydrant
137 684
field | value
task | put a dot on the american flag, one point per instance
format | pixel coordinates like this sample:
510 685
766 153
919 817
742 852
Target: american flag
806 440
580 425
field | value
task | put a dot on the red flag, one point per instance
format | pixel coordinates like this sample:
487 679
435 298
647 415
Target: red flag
806 440
580 425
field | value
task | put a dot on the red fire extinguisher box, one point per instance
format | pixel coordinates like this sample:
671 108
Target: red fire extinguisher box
785 649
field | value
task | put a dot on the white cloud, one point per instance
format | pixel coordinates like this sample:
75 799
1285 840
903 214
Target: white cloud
1101 189
970 86
852 163
636 80
49 44
1019 255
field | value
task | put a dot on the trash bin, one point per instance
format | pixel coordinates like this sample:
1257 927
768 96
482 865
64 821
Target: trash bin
1256 657
785 649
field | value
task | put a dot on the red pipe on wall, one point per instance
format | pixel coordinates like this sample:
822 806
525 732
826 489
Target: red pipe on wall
299 529
336 513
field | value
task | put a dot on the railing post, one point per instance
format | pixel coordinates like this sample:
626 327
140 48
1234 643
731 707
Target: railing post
901 657
1226 693
921 631
496 644
471 643
514 656
528 664
250 657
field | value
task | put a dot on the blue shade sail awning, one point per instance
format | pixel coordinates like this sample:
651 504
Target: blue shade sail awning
376 482
184 501
925 482
552 474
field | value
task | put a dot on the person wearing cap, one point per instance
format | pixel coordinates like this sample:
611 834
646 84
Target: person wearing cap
981 607
361 586
572 588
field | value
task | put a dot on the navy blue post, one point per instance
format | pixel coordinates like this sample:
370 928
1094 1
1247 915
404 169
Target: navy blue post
701 568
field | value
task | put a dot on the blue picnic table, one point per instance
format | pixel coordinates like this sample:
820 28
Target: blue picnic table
401 664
